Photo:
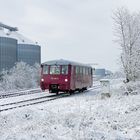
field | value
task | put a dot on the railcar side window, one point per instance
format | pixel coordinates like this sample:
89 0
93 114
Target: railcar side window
64 69
77 70
81 70
89 71
54 69
84 70
45 69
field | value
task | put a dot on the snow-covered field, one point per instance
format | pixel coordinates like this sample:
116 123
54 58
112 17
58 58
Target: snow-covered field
84 116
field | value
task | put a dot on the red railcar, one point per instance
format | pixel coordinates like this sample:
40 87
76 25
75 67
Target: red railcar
65 76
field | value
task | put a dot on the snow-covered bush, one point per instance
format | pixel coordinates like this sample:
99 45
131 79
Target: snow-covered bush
21 76
131 88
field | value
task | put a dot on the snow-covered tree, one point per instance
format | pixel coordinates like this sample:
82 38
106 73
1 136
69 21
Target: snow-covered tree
21 76
127 31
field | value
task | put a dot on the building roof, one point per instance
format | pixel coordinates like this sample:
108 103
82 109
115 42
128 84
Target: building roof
2 33
13 33
21 39
64 62
8 27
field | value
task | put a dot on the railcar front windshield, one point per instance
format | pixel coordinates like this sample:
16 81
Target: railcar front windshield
64 70
55 70
45 69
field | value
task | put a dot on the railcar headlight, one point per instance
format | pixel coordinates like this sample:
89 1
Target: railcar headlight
42 80
66 80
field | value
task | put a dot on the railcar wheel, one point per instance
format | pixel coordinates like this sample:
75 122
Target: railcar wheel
71 92
43 90
79 90
57 92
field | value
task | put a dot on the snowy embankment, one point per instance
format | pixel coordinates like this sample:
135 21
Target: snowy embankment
80 116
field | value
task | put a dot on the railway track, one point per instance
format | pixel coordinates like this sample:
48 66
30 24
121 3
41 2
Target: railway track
95 87
19 93
33 101
27 92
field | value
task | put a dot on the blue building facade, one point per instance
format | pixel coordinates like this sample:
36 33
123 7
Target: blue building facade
29 53
100 72
8 53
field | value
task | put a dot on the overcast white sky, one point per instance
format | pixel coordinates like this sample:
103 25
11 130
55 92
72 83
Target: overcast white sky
78 30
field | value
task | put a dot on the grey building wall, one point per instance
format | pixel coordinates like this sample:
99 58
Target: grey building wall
100 72
28 53
8 53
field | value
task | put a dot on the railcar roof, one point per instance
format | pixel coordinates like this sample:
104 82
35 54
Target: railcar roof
64 62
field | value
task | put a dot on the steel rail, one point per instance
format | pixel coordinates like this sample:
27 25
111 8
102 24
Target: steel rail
20 93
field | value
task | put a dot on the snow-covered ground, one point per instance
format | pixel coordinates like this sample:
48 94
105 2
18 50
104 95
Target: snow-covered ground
82 116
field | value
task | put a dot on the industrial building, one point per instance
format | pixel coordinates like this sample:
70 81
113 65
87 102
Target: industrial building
8 51
100 72
27 50
14 47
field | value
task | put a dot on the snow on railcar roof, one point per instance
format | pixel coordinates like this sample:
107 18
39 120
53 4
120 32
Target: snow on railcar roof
63 62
